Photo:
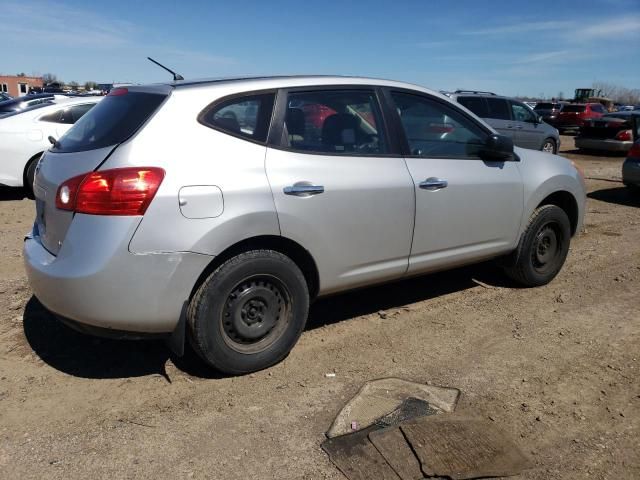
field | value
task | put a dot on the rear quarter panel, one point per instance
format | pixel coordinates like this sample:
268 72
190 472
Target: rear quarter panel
194 155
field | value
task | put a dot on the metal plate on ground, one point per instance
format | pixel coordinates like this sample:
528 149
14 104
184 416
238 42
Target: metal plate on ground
357 458
393 446
381 397
463 448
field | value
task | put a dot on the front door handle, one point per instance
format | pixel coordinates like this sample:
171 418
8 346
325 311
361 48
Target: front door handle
303 190
433 183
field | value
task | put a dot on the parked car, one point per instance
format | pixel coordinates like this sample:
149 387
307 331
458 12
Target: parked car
573 115
512 118
24 136
612 132
22 103
5 96
156 215
631 167
548 111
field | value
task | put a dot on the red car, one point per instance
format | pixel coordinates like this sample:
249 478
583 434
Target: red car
572 117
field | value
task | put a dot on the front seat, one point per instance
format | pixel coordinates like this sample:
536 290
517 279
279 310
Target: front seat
340 132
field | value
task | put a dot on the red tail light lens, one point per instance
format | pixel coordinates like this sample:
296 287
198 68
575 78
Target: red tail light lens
120 191
624 135
635 151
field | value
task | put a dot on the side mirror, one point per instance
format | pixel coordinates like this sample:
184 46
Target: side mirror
498 148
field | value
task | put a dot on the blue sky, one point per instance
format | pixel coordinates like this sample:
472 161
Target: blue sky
511 47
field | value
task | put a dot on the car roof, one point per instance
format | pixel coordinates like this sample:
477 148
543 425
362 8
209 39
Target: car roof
283 81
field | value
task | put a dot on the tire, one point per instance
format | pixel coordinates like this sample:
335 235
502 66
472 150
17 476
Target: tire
29 175
543 247
550 146
249 313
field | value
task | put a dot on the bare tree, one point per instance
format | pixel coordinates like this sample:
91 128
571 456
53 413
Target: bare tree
617 93
73 85
90 85
48 78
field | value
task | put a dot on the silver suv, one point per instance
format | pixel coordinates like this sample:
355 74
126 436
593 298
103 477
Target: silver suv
512 118
219 209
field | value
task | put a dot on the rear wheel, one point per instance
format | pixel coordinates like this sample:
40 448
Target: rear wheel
249 313
30 174
550 146
543 247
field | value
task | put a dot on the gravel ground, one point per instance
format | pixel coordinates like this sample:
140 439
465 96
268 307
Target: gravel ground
556 366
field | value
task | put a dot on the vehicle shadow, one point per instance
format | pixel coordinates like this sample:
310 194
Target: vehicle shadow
618 195
12 193
86 356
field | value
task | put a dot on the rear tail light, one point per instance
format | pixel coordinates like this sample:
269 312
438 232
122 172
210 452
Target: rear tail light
624 135
120 191
635 151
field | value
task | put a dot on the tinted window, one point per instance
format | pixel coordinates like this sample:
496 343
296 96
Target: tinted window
434 129
245 116
110 122
545 106
498 108
573 108
522 113
335 121
476 104
68 115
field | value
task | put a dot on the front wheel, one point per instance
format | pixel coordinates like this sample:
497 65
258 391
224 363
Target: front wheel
249 313
550 146
543 247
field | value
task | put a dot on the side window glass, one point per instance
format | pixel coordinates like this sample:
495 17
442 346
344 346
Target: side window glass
334 121
243 116
77 111
476 104
55 117
521 113
434 129
498 108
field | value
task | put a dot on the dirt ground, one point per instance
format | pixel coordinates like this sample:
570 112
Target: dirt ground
557 367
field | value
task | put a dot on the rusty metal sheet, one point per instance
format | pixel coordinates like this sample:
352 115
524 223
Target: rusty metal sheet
357 458
462 448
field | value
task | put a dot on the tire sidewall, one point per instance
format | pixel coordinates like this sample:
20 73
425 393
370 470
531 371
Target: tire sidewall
207 314
548 214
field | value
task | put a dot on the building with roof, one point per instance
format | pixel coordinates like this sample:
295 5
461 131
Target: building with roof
17 86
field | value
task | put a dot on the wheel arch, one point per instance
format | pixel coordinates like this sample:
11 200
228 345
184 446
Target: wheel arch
567 202
296 252
26 166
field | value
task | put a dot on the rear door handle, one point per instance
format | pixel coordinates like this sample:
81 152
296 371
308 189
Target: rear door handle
433 183
303 190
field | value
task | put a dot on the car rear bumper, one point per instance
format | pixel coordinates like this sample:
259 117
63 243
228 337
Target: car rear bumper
108 287
608 144
631 171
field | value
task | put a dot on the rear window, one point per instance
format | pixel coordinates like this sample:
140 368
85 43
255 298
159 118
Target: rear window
573 108
476 104
114 119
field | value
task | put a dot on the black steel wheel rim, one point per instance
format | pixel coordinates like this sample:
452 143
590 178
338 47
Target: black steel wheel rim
547 248
256 313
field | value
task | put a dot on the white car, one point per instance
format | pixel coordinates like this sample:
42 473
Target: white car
24 136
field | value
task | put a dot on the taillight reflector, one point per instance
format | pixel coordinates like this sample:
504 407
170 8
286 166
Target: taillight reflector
116 92
624 135
119 191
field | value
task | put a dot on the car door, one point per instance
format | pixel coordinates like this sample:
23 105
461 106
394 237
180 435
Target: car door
499 117
339 189
528 132
467 208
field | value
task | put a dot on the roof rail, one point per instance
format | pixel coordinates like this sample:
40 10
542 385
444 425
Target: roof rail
474 91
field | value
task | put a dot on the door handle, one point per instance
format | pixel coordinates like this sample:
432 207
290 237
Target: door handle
509 126
519 127
433 183
303 190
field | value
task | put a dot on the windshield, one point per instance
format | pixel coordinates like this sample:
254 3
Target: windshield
115 119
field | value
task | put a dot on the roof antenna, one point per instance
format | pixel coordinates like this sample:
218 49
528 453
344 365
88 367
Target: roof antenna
176 76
